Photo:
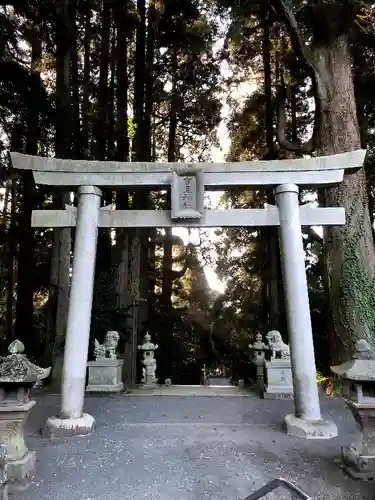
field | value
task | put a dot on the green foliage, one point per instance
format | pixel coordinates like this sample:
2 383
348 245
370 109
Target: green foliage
190 83
357 285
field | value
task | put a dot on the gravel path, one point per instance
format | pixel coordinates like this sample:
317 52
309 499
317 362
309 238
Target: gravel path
187 448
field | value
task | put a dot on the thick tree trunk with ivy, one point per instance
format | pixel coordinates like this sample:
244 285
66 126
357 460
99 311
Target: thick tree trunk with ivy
350 251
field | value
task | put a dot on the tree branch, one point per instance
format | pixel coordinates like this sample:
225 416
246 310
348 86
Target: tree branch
304 54
284 143
285 11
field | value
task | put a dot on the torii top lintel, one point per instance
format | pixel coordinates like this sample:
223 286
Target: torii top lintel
321 170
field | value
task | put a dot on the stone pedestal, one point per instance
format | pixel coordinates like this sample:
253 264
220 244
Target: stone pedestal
278 379
105 375
358 459
20 460
148 374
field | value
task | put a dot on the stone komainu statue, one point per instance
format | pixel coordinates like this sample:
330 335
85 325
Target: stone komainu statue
109 347
277 346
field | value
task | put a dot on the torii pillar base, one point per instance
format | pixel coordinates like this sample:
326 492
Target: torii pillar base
310 429
56 427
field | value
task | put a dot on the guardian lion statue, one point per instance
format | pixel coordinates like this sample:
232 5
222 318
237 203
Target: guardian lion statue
277 346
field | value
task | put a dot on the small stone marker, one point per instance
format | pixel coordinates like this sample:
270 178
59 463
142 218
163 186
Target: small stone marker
358 378
17 376
278 369
105 373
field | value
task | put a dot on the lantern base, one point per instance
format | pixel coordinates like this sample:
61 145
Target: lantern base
22 470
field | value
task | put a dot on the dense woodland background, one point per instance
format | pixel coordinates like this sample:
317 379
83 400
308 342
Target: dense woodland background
153 81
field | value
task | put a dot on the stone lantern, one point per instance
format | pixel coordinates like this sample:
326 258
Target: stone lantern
358 389
149 362
17 377
259 349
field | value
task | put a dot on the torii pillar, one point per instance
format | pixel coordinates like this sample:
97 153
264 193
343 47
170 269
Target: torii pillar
72 421
307 421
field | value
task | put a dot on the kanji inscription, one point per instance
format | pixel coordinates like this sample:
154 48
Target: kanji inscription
188 192
187 195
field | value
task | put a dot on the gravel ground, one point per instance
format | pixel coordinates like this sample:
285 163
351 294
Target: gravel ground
164 448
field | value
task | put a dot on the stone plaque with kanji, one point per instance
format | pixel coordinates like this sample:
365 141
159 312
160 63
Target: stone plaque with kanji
187 195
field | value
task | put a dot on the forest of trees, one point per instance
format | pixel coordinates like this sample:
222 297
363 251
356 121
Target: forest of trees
133 80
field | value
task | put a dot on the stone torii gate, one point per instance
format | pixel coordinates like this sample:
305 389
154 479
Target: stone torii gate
188 183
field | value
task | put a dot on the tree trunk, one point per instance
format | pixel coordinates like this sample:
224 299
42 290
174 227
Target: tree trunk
101 129
121 260
167 280
16 145
144 153
273 293
167 277
270 234
76 124
149 77
24 329
138 239
10 260
61 248
133 305
359 54
139 80
350 255
111 118
86 81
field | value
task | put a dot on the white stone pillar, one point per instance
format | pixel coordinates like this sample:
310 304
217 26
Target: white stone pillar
307 421
72 421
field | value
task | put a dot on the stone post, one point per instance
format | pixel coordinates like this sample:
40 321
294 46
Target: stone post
72 421
307 421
